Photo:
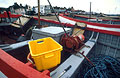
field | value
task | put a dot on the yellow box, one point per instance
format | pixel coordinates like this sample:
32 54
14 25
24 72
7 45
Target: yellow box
46 53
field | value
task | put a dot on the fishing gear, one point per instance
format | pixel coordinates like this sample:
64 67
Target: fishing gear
105 67
72 43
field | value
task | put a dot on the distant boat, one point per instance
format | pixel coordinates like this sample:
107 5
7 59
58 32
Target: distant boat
113 29
98 19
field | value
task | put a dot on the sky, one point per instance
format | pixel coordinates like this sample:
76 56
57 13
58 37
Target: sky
104 6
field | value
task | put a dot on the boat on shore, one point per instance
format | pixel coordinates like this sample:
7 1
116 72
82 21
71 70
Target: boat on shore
98 27
95 19
101 39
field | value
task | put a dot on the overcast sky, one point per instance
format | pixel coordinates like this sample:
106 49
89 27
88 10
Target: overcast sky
104 6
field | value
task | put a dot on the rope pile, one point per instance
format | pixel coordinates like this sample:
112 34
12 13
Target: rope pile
105 67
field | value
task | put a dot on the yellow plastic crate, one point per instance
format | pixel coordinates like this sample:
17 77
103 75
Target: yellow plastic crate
46 53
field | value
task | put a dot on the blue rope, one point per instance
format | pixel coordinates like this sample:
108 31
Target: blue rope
105 67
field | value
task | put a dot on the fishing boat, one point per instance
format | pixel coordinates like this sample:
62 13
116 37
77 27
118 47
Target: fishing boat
95 18
93 26
100 39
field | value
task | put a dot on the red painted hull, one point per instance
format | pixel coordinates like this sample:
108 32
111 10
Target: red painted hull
13 68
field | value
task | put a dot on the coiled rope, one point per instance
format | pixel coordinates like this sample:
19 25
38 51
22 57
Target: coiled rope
105 67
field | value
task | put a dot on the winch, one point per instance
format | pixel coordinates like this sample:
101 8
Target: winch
72 43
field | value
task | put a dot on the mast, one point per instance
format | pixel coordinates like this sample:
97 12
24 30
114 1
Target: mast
90 11
38 12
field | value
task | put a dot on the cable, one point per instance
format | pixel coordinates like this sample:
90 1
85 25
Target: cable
57 17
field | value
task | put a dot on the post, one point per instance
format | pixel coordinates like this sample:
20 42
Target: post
38 12
90 11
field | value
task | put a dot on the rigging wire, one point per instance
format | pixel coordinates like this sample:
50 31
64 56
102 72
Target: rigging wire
57 17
